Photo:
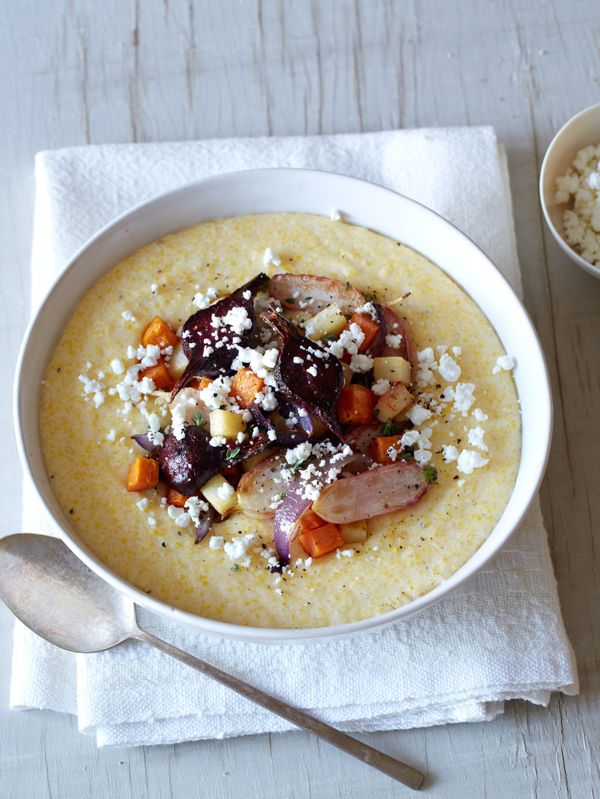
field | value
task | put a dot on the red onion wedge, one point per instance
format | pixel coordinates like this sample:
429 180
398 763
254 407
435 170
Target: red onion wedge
206 522
260 487
286 516
395 325
312 293
372 493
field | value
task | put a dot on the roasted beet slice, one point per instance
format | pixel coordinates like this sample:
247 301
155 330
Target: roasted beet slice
306 373
187 463
201 332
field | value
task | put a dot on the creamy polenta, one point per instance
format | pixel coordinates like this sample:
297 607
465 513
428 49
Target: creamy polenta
466 416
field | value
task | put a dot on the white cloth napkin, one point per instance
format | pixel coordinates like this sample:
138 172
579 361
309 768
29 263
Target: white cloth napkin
499 637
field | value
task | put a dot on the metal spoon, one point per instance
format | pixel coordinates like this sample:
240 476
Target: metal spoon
54 594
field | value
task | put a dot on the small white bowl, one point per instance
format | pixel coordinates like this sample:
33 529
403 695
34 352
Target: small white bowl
578 132
306 191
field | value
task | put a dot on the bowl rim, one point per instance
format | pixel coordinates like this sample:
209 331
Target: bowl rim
278 635
560 240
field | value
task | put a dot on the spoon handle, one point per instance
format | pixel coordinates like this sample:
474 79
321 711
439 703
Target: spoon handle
373 757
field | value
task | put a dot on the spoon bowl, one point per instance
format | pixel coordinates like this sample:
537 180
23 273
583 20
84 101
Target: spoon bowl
53 593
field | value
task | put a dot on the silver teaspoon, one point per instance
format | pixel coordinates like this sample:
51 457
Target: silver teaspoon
54 594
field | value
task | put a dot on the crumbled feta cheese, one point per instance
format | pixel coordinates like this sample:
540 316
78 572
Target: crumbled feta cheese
216 542
582 222
216 394
195 506
448 368
475 438
369 309
153 287
143 503
269 258
298 453
179 515
422 456
128 316
463 397
468 460
393 340
218 441
202 301
506 362
380 387
93 387
480 415
236 550
346 553
457 351
361 363
225 491
111 435
450 453
117 366
348 341
418 414
335 215
151 521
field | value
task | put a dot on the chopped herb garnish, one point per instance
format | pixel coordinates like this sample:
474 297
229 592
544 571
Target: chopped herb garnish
232 454
407 454
235 567
347 285
330 337
281 496
197 419
430 473
389 428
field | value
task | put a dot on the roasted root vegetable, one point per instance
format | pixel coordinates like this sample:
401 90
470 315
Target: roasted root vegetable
315 293
245 386
200 383
226 424
221 494
160 334
260 487
354 532
307 521
254 460
393 402
175 498
328 322
321 540
160 376
142 474
369 327
395 369
178 361
372 493
355 405
380 447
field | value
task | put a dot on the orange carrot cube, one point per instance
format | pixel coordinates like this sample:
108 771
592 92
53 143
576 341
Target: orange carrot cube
143 474
245 386
355 405
322 540
159 333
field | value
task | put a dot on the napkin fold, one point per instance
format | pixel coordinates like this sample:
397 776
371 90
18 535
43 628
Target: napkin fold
500 636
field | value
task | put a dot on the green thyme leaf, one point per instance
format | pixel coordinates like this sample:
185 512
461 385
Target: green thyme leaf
347 285
430 473
232 454
388 428
197 419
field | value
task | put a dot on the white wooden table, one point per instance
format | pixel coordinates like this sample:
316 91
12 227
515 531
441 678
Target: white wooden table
83 71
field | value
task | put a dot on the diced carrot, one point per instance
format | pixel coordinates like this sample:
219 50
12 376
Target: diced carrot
175 498
245 386
308 520
322 540
368 326
200 382
159 333
379 448
160 375
355 405
143 473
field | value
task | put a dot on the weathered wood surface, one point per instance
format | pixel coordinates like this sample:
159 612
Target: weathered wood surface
73 72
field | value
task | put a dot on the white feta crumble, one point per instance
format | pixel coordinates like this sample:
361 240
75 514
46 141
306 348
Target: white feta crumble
237 549
348 341
369 310
425 364
299 453
380 386
143 503
475 438
93 388
111 435
180 516
217 441
237 319
117 366
195 506
581 183
468 460
360 363
335 215
418 414
463 397
269 258
345 553
225 491
450 453
448 368
216 542
480 415
128 316
151 521
393 340
216 394
202 301
312 370
153 288
506 362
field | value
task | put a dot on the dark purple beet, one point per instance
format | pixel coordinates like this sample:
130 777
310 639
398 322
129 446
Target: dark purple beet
319 395
197 330
187 463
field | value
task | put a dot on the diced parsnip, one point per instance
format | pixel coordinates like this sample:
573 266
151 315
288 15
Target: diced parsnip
221 494
226 423
394 368
178 362
328 322
256 459
395 400
354 532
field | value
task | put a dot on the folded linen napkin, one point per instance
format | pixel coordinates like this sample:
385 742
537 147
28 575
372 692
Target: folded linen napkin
498 637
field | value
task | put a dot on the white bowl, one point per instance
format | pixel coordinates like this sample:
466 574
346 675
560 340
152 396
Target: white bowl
578 132
294 190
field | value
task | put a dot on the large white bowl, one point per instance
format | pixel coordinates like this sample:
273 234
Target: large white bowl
577 132
295 190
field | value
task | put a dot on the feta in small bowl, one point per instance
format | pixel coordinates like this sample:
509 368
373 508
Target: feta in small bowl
570 189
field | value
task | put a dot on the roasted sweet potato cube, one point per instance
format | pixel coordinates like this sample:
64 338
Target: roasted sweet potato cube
143 474
159 333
